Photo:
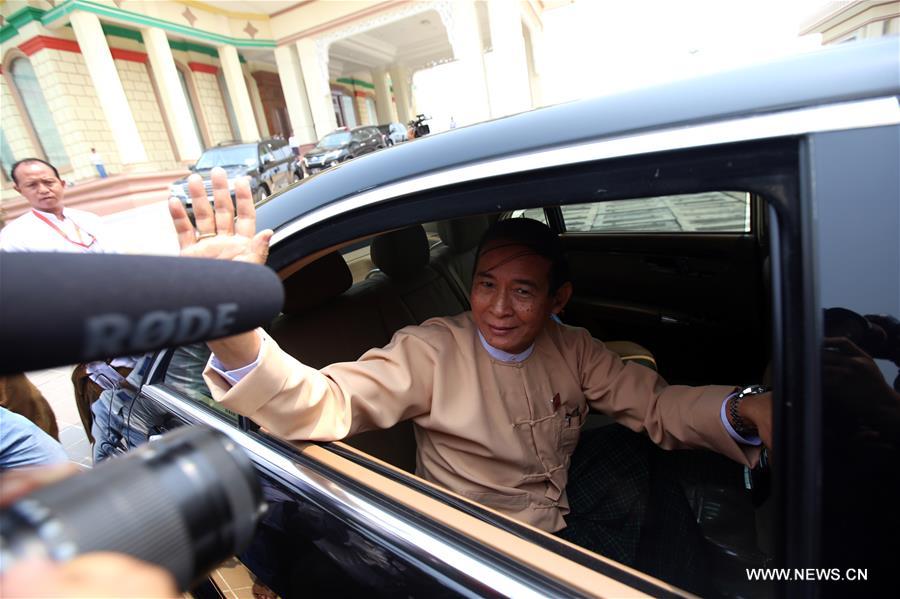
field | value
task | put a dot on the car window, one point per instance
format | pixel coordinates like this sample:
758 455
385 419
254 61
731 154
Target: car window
335 140
703 504
359 260
708 212
532 213
244 155
184 374
266 153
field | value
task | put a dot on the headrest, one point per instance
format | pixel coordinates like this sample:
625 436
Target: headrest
463 234
316 283
401 254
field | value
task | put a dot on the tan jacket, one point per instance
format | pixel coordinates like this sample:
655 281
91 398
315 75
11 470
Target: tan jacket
499 433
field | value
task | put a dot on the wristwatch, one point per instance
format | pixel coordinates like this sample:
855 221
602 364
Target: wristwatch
741 426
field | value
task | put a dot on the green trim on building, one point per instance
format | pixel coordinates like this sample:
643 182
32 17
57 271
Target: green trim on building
144 21
19 19
7 32
356 82
24 16
116 31
192 47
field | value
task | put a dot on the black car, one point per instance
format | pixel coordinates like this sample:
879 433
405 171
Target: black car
270 165
739 228
342 145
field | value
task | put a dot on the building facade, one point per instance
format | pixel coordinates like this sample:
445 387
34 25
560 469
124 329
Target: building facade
149 84
840 22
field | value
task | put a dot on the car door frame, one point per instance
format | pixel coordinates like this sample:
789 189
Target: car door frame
795 328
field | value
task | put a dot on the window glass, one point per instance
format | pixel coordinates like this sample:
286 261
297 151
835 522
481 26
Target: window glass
6 156
190 103
228 156
533 213
708 212
229 108
335 140
349 111
185 375
38 112
359 260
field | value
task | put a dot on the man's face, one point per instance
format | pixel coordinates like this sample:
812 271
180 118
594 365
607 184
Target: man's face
37 184
511 300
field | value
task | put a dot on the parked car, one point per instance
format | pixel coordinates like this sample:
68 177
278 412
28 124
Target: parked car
394 132
741 227
342 145
270 164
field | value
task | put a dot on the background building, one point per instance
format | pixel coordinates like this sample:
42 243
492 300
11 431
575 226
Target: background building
149 84
840 22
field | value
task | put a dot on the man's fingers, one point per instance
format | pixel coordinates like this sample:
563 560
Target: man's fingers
203 213
260 245
183 227
224 210
246 213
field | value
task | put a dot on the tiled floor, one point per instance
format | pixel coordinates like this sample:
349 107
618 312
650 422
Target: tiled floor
234 580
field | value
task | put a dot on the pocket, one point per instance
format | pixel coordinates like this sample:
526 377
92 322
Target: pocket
571 421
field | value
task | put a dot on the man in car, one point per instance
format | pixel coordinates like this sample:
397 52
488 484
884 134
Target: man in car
498 394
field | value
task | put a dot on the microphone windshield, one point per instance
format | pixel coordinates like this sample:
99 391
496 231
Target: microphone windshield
58 308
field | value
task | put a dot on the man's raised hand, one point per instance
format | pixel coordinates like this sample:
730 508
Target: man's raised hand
218 234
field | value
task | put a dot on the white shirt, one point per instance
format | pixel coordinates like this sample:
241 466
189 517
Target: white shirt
29 233
96 158
77 229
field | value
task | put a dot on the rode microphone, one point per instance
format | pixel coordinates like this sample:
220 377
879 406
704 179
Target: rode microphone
58 308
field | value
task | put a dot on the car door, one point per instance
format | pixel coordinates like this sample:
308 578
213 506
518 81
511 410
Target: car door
343 520
366 141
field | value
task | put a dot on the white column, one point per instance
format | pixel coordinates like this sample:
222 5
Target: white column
108 86
400 83
465 39
536 66
237 89
174 101
383 105
318 90
512 90
295 94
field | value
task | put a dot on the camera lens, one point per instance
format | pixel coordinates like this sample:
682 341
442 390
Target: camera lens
186 502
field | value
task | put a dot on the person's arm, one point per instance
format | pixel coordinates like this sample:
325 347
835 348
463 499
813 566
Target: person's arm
673 416
286 397
294 401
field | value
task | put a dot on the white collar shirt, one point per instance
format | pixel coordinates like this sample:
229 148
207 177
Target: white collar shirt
77 232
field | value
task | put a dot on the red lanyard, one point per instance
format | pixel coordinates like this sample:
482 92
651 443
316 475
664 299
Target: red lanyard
78 230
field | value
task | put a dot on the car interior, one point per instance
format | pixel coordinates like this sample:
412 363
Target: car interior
675 278
423 271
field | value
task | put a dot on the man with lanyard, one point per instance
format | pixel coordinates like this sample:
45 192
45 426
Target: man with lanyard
51 227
